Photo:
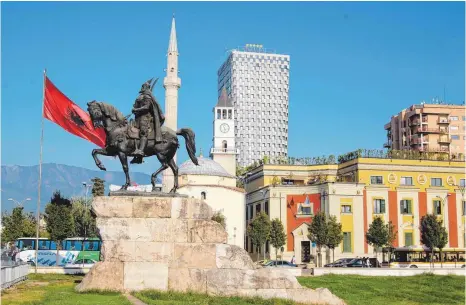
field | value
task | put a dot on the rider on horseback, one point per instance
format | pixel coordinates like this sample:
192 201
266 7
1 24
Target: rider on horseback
148 115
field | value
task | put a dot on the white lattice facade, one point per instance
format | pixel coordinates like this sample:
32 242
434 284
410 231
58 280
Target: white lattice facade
257 84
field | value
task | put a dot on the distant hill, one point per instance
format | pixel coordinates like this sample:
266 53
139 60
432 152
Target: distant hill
20 182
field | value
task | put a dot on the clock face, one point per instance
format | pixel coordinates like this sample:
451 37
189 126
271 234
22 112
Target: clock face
224 128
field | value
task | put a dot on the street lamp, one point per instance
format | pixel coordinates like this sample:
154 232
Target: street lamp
20 204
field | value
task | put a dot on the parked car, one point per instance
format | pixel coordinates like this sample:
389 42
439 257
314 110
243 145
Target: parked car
81 263
339 262
280 264
355 263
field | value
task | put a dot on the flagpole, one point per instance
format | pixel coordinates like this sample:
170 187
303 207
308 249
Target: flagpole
40 174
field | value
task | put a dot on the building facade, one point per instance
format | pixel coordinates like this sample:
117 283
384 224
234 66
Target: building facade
428 127
257 83
172 84
356 191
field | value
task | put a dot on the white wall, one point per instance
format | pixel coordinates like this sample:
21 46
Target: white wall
229 202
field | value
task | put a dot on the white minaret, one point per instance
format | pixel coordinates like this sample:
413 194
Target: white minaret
171 83
224 149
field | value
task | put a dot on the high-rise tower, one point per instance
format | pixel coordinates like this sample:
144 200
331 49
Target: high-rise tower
257 82
171 83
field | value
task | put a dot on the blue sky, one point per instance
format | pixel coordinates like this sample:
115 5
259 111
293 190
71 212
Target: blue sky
353 65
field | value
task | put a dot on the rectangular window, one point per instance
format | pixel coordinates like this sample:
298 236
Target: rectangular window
346 208
408 239
436 182
437 207
463 182
455 137
464 207
346 241
266 207
453 118
258 208
305 210
453 128
405 207
379 206
376 180
406 181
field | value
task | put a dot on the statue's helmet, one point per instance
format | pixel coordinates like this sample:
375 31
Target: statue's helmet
146 86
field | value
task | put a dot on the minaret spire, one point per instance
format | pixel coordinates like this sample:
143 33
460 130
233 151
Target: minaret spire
172 84
172 45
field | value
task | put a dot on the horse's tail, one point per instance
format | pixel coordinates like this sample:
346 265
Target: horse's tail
189 136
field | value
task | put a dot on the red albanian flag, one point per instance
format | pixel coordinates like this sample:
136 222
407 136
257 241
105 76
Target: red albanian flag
62 111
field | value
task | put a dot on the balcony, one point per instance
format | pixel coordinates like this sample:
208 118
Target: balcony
443 121
418 141
387 144
224 150
446 140
431 130
434 149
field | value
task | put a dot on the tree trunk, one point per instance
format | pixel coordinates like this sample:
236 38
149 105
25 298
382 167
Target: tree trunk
333 255
264 250
432 257
441 259
257 253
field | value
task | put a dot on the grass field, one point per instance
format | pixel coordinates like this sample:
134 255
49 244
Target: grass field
406 290
57 289
174 298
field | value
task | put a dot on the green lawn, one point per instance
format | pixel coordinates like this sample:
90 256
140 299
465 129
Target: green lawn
406 290
57 289
152 297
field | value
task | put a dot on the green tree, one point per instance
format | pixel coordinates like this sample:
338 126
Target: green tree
220 218
377 234
259 231
83 221
277 235
59 221
433 234
98 187
335 234
318 233
17 224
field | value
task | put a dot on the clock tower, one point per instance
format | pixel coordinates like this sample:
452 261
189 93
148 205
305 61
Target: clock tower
224 150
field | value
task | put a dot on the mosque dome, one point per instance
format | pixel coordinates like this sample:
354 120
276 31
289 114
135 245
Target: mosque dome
206 167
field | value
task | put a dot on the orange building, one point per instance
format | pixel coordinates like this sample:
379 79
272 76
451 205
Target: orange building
428 127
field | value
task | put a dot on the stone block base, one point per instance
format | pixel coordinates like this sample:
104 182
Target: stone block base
168 243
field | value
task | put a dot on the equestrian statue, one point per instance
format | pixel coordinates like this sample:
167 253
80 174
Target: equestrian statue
144 137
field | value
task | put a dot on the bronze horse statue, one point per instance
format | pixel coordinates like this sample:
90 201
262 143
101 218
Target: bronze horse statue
123 138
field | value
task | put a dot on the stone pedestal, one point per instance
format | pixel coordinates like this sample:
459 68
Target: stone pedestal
171 244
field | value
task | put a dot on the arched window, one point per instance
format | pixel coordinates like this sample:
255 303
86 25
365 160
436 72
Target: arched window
224 114
229 114
219 114
203 195
224 145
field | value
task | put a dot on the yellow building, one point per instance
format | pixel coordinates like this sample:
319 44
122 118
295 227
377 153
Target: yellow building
363 185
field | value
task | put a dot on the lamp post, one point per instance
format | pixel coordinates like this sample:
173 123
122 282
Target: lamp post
20 204
86 187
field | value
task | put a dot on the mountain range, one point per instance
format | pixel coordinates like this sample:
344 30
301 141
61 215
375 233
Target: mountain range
21 182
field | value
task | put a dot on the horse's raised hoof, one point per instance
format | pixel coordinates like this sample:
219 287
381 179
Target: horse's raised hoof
124 187
173 190
101 167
